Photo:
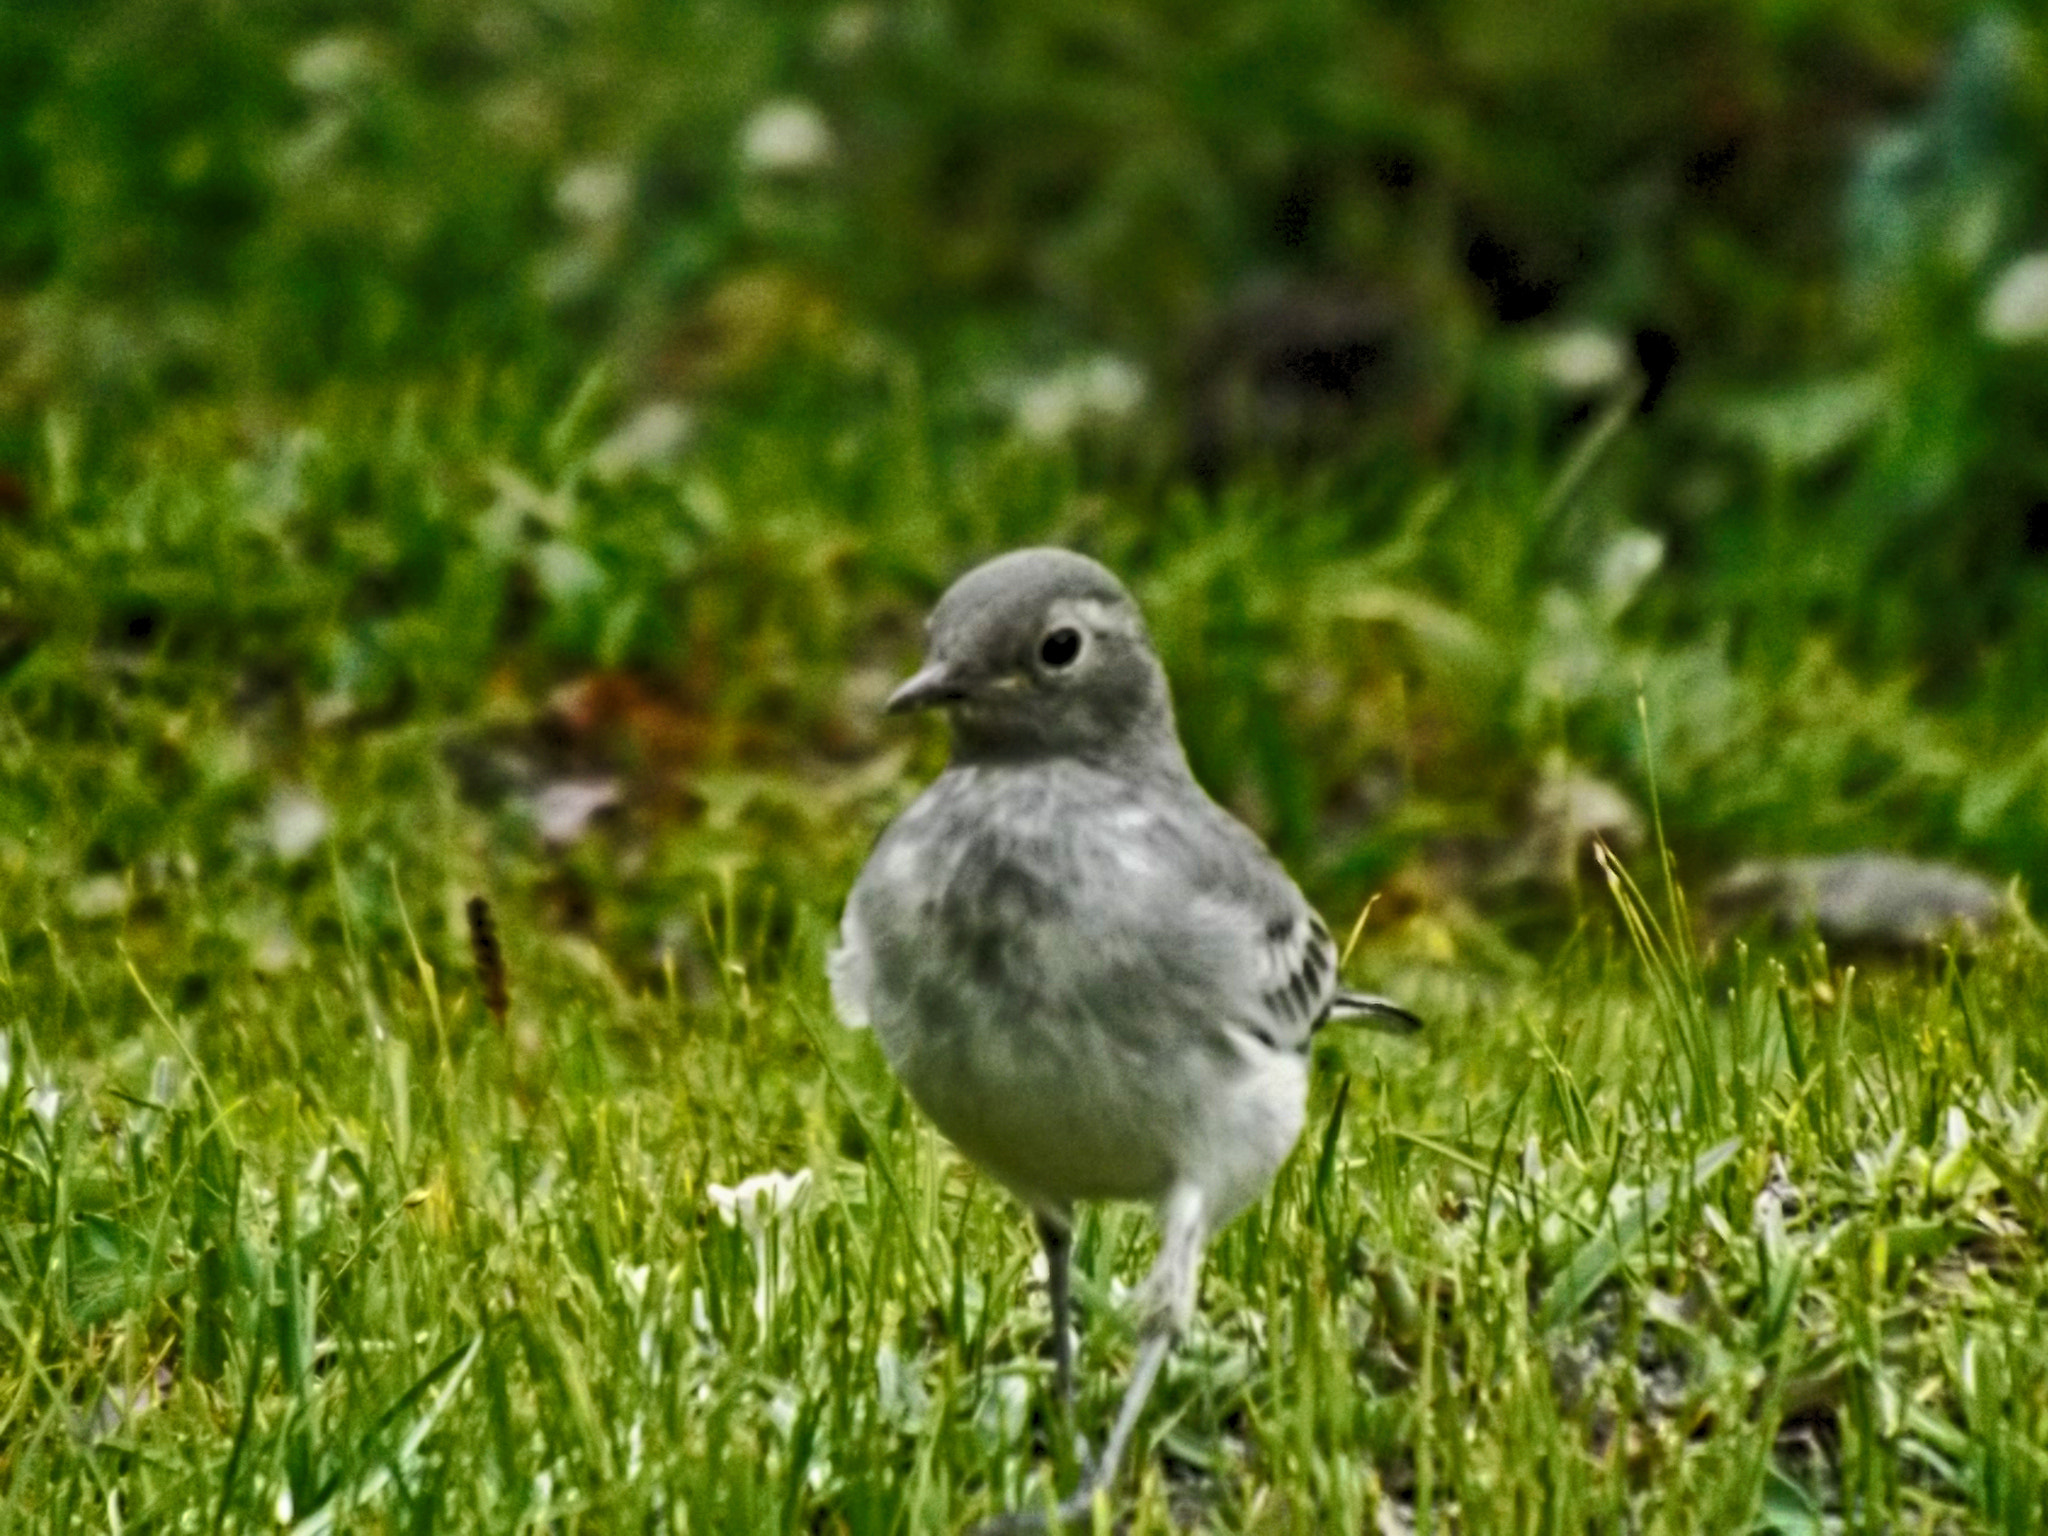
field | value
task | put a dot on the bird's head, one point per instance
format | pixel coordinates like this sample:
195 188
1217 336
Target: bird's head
1041 653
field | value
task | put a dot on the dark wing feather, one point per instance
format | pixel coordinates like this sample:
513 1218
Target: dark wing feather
1301 950
1297 977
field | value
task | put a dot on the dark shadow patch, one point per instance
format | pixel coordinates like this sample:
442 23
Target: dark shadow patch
2034 530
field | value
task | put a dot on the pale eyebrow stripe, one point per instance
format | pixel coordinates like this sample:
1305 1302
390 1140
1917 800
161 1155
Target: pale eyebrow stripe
1098 615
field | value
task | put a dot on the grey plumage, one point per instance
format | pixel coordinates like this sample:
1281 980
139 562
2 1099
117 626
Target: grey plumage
1092 978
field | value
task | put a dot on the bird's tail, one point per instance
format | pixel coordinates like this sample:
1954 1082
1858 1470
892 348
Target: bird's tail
1373 1012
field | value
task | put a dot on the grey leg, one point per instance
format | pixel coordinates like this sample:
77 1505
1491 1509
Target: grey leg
1056 1232
1169 1303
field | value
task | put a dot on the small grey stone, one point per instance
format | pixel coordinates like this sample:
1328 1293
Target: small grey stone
1879 901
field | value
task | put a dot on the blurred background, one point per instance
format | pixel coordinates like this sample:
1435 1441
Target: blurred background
512 443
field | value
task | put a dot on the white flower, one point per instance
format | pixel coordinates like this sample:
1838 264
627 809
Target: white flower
763 1206
1583 361
331 64
633 1280
97 897
2016 309
298 820
1955 1128
596 192
1101 388
44 1100
786 138
754 1202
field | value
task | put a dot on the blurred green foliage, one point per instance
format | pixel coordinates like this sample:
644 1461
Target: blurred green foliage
508 446
330 331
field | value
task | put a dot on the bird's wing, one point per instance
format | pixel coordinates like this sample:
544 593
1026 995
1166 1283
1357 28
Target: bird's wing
1295 971
1273 963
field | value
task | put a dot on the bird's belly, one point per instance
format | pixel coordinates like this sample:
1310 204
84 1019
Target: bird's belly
1061 1109
1054 1120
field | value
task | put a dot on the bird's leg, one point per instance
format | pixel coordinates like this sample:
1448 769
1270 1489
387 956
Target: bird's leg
1168 1305
1056 1233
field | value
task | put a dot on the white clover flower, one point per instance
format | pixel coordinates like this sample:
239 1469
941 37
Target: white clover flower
786 138
763 1207
2016 309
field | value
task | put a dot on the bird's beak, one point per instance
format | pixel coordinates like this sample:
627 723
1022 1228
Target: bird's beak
934 683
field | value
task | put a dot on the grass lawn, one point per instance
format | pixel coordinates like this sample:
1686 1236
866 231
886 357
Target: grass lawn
1620 1244
507 450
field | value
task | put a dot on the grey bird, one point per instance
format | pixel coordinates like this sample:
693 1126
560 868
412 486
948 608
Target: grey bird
1095 981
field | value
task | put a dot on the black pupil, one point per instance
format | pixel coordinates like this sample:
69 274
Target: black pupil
1060 647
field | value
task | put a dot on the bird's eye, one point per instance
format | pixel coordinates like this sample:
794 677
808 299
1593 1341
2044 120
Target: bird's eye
1059 648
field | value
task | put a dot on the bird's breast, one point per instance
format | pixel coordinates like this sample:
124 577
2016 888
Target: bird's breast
1025 991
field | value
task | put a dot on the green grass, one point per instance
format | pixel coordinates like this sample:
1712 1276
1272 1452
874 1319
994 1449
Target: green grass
1733 1250
407 409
